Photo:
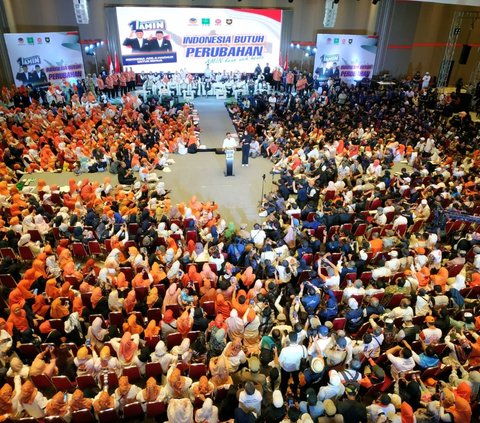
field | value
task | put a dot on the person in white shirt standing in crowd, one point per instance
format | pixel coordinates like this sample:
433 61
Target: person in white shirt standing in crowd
290 359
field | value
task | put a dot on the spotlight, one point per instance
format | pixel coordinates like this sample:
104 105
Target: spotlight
315 49
292 45
306 54
298 45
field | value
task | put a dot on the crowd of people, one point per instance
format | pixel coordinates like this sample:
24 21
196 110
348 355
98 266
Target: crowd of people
354 299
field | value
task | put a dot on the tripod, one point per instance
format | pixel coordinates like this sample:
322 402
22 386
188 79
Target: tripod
263 188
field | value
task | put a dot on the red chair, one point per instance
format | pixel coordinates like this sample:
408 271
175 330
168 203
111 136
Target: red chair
362 331
141 293
173 339
401 230
58 325
197 370
193 335
191 235
35 235
8 252
416 226
366 277
26 253
86 382
153 370
339 323
395 301
28 351
116 318
42 382
319 232
78 250
308 257
82 416
8 281
156 408
175 310
358 299
133 410
455 270
86 300
152 342
132 372
361 229
338 295
133 229
111 378
154 314
56 233
209 308
95 248
108 245
161 289
63 383
108 416
332 231
128 272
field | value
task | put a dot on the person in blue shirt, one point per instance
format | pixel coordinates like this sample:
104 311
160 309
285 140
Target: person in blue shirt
311 300
354 316
427 358
331 310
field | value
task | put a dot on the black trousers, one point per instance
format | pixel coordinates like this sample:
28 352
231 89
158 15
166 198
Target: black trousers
286 377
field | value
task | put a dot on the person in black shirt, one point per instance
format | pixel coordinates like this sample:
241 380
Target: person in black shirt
125 176
352 410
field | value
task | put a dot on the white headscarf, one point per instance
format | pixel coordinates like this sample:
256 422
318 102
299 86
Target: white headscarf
180 411
208 413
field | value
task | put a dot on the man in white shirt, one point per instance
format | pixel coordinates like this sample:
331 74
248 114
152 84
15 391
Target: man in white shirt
258 235
431 334
290 359
403 363
250 399
229 143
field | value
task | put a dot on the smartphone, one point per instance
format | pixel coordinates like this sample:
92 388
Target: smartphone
87 342
35 291
65 397
291 402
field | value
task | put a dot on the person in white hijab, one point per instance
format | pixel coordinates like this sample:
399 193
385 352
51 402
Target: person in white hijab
235 326
208 413
183 350
180 411
28 224
96 333
115 303
162 356
40 224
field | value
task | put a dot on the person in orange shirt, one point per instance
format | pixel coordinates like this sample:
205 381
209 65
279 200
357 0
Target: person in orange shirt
376 244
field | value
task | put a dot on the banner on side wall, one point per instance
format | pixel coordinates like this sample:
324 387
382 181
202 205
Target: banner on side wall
45 57
156 39
348 57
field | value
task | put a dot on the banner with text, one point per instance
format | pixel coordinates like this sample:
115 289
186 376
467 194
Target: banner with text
44 57
165 39
348 57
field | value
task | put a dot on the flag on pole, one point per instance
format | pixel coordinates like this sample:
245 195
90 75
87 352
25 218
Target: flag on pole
109 64
117 64
286 61
280 61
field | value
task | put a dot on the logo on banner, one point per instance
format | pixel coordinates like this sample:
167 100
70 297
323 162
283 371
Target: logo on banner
192 21
218 22
329 41
30 40
336 40
29 61
21 40
229 21
344 41
39 40
206 21
350 40
47 39
158 24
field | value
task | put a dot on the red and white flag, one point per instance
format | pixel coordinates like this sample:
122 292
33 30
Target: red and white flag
109 64
117 64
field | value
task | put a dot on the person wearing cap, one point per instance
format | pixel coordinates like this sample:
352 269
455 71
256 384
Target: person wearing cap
253 374
276 410
352 410
318 343
354 316
313 406
338 354
383 405
431 335
136 41
331 413
422 211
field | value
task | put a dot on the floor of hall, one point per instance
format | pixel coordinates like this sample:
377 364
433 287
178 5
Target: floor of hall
202 174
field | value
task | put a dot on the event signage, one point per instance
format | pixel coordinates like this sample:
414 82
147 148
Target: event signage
46 57
348 57
157 39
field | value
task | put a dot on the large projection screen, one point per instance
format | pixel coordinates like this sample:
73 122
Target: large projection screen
348 57
224 39
57 54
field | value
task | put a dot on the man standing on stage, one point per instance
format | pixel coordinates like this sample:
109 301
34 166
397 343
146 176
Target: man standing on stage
229 143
